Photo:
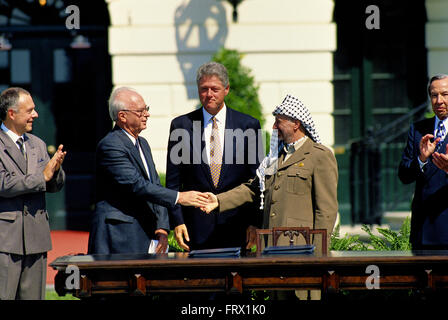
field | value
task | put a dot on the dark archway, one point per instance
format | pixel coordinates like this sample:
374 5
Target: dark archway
380 76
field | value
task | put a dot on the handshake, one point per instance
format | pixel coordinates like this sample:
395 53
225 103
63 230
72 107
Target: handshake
206 201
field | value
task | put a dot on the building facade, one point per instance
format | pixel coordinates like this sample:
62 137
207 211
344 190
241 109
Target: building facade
157 47
357 68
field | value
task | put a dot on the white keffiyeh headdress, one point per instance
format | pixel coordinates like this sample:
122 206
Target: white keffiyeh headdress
293 108
269 164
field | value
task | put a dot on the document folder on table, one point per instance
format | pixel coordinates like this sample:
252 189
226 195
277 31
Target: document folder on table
216 253
297 249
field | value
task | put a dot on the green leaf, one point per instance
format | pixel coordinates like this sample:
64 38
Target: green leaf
243 94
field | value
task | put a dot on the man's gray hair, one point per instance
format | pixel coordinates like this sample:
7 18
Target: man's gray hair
213 69
439 76
9 99
116 104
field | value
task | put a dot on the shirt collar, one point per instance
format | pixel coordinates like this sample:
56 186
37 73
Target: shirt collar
12 134
129 136
220 116
293 146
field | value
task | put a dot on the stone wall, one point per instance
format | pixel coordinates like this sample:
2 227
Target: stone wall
157 46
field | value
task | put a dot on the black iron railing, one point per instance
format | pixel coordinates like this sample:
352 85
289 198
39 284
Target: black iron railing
374 159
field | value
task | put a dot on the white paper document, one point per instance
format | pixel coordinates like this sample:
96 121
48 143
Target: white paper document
153 246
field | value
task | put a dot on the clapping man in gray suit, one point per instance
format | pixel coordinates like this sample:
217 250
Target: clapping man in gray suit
26 173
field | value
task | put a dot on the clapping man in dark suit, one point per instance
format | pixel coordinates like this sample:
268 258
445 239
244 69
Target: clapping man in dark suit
213 149
131 205
424 161
26 173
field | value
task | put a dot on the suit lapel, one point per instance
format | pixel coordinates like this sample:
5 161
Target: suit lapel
13 151
229 125
197 142
431 168
31 155
132 149
198 153
149 161
429 126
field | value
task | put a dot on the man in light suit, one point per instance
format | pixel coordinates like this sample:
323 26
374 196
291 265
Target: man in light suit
26 173
214 149
131 205
425 162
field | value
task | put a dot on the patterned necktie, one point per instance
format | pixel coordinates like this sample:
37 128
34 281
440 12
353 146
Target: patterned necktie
215 153
440 134
21 146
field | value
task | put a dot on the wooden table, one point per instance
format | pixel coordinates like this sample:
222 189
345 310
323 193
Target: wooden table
142 275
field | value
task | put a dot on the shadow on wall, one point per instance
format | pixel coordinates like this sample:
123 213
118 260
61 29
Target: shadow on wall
201 29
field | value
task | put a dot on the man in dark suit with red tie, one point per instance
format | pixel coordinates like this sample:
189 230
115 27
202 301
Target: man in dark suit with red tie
131 205
425 162
213 149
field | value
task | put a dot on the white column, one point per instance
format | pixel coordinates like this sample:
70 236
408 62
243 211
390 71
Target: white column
157 46
436 36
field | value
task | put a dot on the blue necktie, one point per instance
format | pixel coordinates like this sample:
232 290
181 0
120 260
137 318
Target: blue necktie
440 134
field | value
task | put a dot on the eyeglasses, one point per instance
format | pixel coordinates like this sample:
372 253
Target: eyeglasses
140 112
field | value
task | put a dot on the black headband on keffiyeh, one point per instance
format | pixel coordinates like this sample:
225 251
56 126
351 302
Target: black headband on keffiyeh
294 108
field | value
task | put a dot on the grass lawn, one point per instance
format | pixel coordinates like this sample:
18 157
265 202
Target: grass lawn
52 295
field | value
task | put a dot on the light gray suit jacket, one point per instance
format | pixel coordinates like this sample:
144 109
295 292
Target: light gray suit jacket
24 226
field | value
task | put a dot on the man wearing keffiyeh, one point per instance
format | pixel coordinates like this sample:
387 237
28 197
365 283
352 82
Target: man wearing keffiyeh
297 180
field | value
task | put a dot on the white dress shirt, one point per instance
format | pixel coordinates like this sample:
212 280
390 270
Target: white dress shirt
208 126
141 153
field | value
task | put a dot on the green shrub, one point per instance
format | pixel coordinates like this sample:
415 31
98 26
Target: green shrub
162 177
348 242
51 294
390 240
243 94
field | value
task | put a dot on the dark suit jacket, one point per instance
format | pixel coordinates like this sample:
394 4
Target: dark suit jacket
429 221
24 227
193 173
129 208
